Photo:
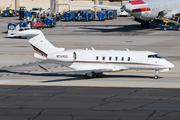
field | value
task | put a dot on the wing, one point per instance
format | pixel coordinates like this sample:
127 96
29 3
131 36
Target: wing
170 14
83 71
75 71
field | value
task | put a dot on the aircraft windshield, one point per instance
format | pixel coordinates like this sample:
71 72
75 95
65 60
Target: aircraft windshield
154 56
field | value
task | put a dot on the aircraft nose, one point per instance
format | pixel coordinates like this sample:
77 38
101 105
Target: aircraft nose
170 65
127 7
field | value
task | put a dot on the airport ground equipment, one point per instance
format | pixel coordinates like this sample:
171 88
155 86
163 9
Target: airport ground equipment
169 26
14 28
21 12
101 15
9 13
109 14
50 22
38 24
37 11
89 15
27 14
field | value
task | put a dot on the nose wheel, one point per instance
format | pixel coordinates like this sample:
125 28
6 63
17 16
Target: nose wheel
156 74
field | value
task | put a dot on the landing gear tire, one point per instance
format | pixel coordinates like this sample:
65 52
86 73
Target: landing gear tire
165 28
95 75
156 77
145 24
156 74
87 76
142 25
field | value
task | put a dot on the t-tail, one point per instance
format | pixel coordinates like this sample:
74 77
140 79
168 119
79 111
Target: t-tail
38 41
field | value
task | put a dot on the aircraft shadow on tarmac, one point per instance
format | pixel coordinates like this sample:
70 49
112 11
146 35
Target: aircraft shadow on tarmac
119 28
73 76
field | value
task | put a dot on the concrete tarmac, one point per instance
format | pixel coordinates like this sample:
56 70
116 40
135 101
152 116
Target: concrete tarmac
36 94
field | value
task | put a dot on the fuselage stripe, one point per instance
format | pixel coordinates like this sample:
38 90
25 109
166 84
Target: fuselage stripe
142 9
41 52
130 63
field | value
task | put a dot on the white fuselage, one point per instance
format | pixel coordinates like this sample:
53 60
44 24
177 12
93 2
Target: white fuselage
115 60
149 9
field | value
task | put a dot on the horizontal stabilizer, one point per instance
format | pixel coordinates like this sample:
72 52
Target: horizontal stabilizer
44 68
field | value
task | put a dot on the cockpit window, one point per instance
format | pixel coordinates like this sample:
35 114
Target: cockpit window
154 56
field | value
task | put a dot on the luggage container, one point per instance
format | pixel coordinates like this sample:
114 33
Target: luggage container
114 14
11 26
79 18
50 21
27 14
100 15
109 14
23 24
89 16
67 16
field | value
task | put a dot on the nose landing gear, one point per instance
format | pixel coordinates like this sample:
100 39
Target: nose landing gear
156 74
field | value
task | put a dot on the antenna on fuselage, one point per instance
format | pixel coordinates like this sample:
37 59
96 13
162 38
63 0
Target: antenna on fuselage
92 48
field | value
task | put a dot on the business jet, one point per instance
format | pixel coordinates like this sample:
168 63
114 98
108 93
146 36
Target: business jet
94 62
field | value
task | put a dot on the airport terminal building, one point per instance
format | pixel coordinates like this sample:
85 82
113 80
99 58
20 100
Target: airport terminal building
61 5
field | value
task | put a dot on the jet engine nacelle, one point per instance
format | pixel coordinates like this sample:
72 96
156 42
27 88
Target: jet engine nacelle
65 56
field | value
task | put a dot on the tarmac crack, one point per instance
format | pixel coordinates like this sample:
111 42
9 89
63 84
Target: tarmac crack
148 104
38 114
135 91
104 101
19 88
5 98
72 117
151 115
123 100
54 95
168 113
173 97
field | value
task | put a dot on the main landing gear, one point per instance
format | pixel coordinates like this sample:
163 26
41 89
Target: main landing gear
156 74
93 74
145 24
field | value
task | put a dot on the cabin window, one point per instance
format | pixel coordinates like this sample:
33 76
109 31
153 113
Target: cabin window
116 58
103 58
122 59
97 57
109 58
128 58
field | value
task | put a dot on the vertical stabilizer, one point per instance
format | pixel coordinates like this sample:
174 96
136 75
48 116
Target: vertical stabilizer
38 41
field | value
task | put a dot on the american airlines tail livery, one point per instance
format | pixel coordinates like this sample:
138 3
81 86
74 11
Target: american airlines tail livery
94 62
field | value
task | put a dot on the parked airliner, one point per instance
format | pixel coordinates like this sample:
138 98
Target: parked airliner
145 11
94 62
